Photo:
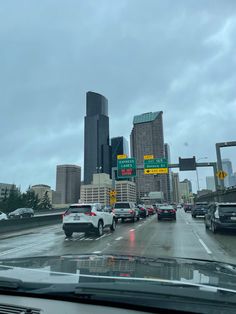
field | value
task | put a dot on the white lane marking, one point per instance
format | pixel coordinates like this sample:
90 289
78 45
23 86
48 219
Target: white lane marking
139 225
205 246
97 252
25 247
119 238
132 229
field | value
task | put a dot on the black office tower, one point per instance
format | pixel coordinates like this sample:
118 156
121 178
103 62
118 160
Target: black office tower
119 146
97 151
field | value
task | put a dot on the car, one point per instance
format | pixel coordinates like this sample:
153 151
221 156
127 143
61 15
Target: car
126 210
3 216
221 216
179 206
166 211
21 213
87 218
199 209
151 210
143 212
188 207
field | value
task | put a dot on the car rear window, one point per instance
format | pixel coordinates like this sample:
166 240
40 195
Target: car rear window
80 209
227 209
122 205
166 208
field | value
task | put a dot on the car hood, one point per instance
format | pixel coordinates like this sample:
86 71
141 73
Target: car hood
92 267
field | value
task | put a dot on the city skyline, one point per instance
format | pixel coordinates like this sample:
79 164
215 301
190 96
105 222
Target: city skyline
181 74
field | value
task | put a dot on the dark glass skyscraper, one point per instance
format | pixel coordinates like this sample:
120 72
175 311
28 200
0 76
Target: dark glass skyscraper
119 146
97 151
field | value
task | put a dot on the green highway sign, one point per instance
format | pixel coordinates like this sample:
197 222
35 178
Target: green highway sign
126 168
155 166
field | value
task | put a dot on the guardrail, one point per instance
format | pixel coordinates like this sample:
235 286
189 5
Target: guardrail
18 224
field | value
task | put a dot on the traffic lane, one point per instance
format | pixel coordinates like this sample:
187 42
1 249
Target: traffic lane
52 241
164 238
222 244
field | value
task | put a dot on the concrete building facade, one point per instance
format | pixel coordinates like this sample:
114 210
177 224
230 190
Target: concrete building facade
41 190
147 139
175 185
5 189
68 183
126 191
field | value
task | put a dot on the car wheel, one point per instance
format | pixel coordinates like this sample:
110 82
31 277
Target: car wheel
133 219
213 227
68 234
206 226
175 218
113 226
138 218
158 218
100 228
194 216
122 220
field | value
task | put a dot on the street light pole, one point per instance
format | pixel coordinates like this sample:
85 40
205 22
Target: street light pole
198 186
99 171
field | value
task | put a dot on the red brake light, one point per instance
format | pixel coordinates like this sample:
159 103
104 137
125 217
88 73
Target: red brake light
65 214
90 214
172 211
131 211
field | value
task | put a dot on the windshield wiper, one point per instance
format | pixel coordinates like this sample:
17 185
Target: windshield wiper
12 284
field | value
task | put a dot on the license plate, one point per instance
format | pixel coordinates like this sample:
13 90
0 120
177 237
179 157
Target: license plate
77 218
233 218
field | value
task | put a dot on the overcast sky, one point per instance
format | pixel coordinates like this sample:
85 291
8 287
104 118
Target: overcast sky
174 56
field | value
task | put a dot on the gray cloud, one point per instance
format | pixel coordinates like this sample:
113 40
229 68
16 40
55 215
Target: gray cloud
175 56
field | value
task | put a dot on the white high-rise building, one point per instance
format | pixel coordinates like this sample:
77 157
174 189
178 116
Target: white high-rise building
210 183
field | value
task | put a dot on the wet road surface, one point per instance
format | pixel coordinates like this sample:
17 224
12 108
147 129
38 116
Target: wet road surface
185 237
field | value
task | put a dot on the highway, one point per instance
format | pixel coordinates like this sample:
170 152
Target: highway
187 237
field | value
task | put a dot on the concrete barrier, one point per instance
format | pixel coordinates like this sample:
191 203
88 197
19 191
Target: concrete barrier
18 224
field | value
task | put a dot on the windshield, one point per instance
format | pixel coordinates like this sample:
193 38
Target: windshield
118 141
122 205
79 209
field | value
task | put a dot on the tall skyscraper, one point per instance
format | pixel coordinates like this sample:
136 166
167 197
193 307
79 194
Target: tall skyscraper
147 139
175 184
119 146
169 179
68 183
97 151
210 183
227 167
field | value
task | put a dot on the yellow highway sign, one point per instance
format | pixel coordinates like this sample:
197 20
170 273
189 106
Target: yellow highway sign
113 193
156 170
221 174
124 156
145 157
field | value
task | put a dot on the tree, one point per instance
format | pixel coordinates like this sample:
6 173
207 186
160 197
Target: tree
13 201
30 199
45 202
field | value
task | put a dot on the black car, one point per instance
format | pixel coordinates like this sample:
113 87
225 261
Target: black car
199 209
21 213
166 211
188 207
221 216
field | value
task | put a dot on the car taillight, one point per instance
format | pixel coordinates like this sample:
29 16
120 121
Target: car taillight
131 211
159 211
65 214
90 214
172 211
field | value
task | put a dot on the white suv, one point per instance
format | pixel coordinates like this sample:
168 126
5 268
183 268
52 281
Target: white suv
86 218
